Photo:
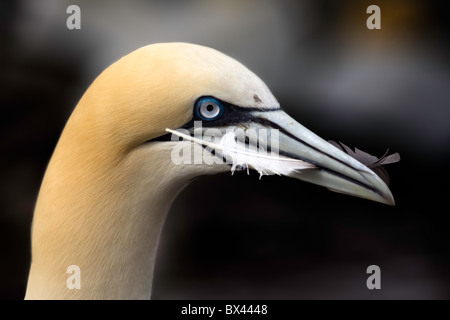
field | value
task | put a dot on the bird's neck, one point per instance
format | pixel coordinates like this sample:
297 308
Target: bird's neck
105 217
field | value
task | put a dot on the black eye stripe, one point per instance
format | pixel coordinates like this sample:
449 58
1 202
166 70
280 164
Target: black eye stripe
232 115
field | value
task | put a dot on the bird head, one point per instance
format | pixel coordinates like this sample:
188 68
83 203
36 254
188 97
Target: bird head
175 95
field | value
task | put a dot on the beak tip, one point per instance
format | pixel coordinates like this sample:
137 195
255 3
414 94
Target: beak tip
389 200
383 195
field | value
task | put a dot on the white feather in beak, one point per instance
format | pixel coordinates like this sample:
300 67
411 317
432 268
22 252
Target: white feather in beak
239 155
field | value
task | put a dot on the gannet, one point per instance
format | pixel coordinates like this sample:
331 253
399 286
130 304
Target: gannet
112 177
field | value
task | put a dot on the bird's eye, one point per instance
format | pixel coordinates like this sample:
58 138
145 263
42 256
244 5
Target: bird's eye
208 108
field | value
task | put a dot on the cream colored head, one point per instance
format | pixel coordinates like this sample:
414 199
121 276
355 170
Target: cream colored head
111 181
156 86
106 190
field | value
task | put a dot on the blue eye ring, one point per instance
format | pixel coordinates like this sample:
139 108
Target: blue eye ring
208 108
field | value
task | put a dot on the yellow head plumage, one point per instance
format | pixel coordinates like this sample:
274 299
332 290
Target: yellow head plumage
109 184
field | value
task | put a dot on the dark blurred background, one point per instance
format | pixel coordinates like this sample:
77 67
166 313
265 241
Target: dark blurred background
236 236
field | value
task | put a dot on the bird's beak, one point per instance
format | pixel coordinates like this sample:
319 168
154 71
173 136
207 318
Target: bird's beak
333 168
299 153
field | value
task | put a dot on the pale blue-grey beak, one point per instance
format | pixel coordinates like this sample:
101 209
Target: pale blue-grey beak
334 169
